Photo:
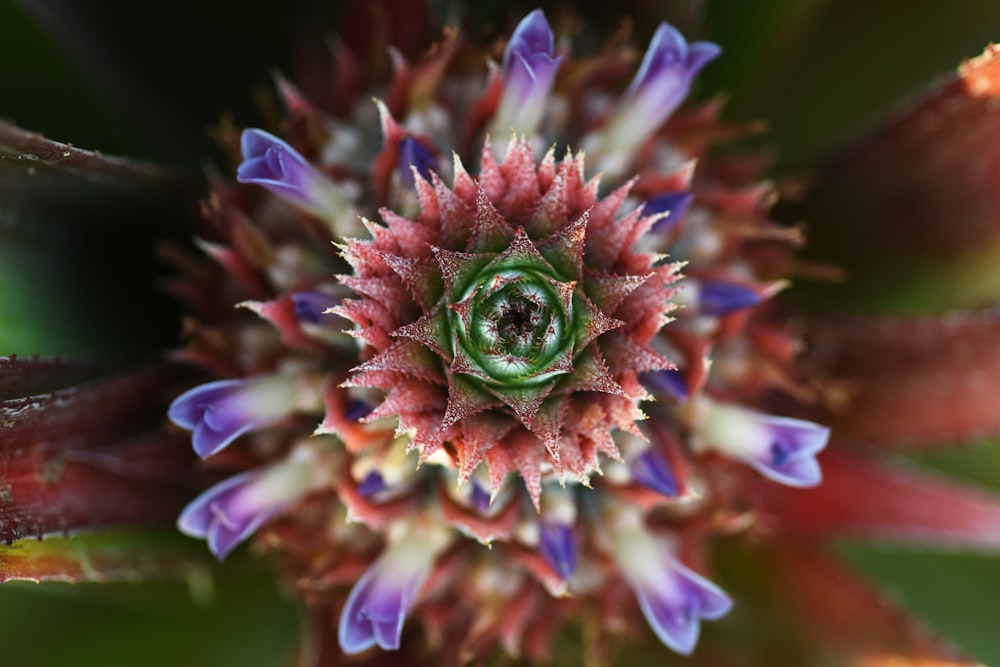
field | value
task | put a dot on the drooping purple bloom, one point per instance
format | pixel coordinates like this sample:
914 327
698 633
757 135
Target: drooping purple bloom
674 204
219 412
414 155
676 603
557 545
380 600
271 163
659 87
529 70
673 598
232 510
310 307
652 471
721 297
780 448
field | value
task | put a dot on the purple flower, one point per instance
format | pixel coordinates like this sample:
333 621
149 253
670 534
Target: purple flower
652 471
670 205
673 598
273 164
529 69
479 497
372 483
219 412
669 382
676 601
379 602
310 307
558 546
720 297
230 512
414 155
780 448
659 87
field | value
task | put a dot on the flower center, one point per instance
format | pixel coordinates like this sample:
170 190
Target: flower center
514 324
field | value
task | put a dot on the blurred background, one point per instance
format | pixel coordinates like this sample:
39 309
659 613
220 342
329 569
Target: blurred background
103 75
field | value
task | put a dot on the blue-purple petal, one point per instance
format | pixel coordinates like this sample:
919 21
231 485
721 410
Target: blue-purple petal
310 307
216 517
357 410
558 546
668 382
188 408
675 613
719 297
533 35
413 154
791 459
480 498
375 611
652 471
373 483
674 203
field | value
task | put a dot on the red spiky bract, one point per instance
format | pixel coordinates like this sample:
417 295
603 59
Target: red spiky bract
544 216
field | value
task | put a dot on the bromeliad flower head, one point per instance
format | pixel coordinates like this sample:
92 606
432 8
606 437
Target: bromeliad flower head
520 318
530 372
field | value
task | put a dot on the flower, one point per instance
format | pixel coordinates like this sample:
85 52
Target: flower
519 380
380 600
272 163
529 70
673 598
779 448
219 412
229 512
660 85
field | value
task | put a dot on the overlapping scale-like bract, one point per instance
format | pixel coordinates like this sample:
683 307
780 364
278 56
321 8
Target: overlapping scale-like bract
525 304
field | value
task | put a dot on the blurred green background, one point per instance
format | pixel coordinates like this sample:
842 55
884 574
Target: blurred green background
817 71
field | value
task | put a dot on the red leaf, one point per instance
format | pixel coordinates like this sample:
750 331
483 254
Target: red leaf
90 455
913 382
921 186
850 617
862 496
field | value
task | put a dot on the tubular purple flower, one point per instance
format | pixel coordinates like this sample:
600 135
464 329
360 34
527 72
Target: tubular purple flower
414 155
310 307
219 412
271 163
232 510
780 448
529 70
673 598
652 471
659 87
671 205
669 383
381 599
720 297
557 545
